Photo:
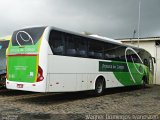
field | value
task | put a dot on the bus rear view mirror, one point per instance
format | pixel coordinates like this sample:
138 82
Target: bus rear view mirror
154 59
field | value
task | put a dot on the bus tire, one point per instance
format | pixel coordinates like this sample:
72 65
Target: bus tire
99 86
144 79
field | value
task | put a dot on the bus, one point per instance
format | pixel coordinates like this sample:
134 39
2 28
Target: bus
49 59
3 46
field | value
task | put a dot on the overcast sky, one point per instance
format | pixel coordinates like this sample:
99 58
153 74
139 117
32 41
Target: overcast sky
110 18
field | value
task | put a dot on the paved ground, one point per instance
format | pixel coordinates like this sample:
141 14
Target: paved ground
24 105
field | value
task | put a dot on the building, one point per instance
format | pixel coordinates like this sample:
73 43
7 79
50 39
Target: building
152 45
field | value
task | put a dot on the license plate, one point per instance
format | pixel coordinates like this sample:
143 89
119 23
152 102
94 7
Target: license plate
19 85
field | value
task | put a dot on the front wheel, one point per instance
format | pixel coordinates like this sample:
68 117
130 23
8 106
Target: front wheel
99 87
144 80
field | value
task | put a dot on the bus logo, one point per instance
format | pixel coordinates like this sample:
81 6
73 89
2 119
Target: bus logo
23 37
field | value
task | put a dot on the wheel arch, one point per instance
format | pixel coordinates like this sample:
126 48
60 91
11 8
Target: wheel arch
100 77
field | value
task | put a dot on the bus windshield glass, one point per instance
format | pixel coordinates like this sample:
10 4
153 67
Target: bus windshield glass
3 47
28 36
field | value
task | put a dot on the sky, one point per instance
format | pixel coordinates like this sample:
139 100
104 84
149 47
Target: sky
110 18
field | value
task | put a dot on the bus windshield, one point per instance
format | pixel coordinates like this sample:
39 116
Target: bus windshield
28 36
3 47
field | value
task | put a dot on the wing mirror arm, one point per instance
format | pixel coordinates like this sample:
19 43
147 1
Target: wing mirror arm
154 59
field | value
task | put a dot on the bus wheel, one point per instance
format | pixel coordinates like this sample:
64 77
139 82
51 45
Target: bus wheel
99 86
144 79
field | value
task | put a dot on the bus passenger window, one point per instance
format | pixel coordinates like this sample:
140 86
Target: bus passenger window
110 51
98 55
70 45
146 62
82 53
82 47
95 49
56 42
91 54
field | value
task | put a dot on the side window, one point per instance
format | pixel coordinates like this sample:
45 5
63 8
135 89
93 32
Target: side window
136 58
146 62
122 53
95 49
119 52
109 51
81 46
56 42
132 57
70 45
129 57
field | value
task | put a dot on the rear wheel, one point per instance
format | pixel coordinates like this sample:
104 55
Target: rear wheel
99 86
3 80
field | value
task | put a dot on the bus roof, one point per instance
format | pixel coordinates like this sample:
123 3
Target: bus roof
105 39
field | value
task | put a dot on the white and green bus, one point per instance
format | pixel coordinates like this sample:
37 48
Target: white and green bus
4 42
49 59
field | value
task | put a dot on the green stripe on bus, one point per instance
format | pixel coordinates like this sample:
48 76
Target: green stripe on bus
122 73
